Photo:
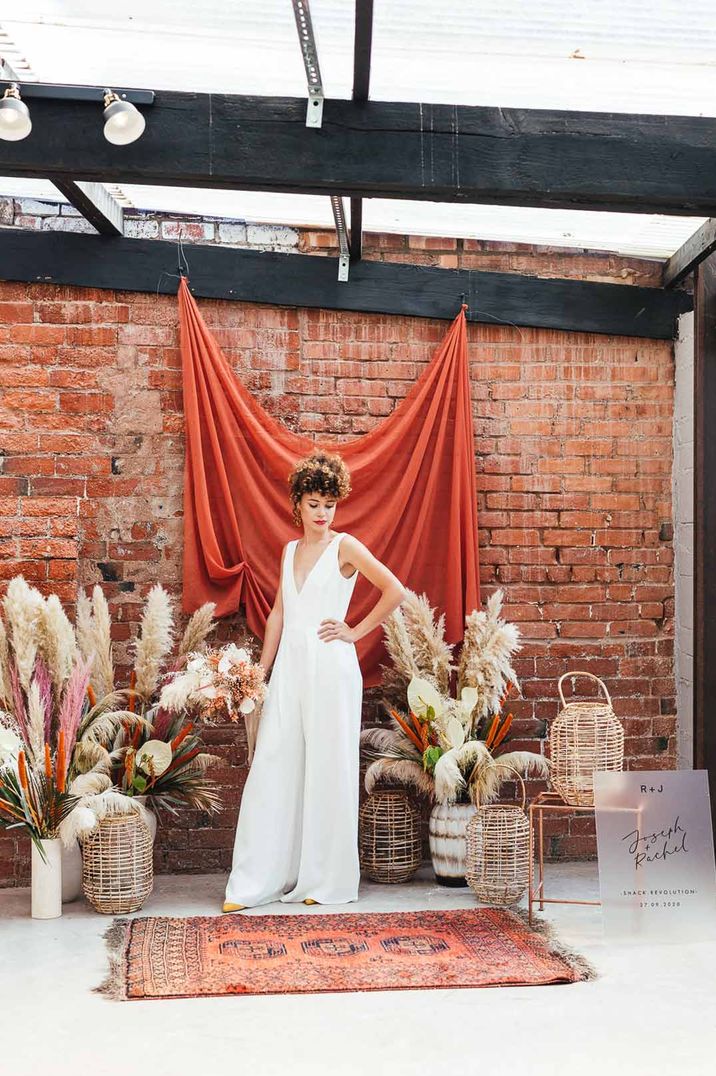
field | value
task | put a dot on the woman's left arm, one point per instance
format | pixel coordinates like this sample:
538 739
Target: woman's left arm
392 594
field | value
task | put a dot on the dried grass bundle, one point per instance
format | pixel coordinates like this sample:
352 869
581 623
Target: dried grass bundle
416 645
101 634
58 642
155 641
200 625
485 659
24 608
35 724
427 636
5 689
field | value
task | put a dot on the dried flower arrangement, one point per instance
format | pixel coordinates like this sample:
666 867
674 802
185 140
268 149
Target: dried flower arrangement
451 749
45 712
219 685
73 745
149 751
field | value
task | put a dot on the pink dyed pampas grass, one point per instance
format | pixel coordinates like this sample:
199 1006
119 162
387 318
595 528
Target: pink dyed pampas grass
74 699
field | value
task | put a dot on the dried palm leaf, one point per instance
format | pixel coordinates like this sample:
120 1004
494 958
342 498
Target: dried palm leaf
89 757
155 641
450 780
388 743
399 771
103 727
525 763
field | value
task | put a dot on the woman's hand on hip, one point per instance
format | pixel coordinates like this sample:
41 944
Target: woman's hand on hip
335 629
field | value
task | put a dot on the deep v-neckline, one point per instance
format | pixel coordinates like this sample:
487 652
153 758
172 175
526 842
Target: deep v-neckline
314 565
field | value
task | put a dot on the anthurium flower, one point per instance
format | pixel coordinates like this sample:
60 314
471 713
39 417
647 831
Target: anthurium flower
423 697
154 757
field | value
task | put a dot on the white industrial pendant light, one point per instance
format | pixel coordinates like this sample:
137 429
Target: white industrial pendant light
123 122
15 122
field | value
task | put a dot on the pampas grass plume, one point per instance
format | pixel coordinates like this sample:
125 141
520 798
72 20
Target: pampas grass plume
155 641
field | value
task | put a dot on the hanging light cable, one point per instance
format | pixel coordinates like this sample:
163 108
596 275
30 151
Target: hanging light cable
15 122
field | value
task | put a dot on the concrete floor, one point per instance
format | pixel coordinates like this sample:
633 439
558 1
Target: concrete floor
650 1012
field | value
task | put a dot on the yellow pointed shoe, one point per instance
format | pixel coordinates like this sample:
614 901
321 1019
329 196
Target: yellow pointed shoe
310 900
229 907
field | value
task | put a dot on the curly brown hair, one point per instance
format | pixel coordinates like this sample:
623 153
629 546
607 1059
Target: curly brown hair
320 472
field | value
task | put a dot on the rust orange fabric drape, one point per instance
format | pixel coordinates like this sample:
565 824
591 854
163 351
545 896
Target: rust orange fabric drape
412 503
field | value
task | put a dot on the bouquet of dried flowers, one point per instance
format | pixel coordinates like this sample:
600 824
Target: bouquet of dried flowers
62 709
448 748
58 766
148 751
221 684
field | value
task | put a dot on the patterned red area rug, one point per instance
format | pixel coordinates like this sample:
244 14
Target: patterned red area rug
204 956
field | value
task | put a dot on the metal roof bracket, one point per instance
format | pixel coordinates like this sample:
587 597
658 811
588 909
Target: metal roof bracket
339 216
307 40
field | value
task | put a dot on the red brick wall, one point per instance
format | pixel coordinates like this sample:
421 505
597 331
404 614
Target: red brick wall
573 455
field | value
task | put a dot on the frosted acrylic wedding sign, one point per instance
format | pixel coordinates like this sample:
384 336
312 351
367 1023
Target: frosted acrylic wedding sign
656 855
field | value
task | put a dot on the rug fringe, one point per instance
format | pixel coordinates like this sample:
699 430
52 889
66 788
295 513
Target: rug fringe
586 969
116 937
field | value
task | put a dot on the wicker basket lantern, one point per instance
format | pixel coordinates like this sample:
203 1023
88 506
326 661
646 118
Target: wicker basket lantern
498 852
585 737
117 869
390 845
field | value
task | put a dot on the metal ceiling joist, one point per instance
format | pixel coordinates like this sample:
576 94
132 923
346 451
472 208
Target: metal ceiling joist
307 40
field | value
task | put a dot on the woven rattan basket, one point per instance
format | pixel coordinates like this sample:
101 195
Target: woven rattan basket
585 737
117 870
498 852
389 836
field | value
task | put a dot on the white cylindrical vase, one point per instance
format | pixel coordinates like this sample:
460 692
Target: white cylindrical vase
46 883
71 872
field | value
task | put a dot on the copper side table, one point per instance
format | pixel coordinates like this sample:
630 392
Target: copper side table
553 803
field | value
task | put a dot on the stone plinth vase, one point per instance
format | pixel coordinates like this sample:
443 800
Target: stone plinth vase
46 883
448 847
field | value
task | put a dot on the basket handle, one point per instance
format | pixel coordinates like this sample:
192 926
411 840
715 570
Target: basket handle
518 775
591 676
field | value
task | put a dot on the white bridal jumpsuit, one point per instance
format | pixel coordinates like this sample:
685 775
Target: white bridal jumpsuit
297 833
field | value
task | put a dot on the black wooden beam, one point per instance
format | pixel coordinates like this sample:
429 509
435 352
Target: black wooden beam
697 247
635 163
356 239
704 671
362 47
96 205
311 281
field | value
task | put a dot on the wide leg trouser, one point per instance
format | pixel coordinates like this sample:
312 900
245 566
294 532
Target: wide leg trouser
297 832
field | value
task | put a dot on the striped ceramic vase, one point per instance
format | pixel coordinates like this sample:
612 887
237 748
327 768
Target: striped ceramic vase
448 822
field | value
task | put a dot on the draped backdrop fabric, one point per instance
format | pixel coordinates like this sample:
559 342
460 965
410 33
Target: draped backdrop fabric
413 498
